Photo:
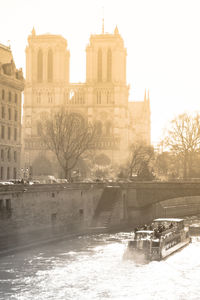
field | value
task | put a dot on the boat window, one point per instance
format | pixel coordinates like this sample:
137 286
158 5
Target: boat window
155 243
180 225
132 243
143 235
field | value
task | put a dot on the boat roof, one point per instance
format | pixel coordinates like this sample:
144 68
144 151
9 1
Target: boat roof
144 231
168 220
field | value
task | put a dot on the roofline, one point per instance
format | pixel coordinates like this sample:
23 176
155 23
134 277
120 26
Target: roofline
47 36
7 48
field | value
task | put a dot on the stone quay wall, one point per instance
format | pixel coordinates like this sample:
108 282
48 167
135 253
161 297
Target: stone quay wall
25 208
40 212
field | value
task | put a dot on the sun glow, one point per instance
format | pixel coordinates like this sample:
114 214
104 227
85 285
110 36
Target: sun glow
161 40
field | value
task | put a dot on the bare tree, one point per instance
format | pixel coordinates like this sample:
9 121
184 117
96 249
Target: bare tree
68 136
140 158
183 139
167 165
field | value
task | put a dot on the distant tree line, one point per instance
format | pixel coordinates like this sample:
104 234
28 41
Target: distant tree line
179 158
69 136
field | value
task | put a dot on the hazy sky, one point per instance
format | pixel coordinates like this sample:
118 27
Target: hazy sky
162 38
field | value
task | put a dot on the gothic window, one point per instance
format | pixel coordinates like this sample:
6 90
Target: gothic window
10 96
39 128
99 66
109 65
71 94
79 98
16 98
40 66
15 134
15 116
50 98
3 112
38 98
83 98
2 154
9 133
2 173
9 113
8 155
98 126
2 131
50 66
14 173
15 156
108 128
108 97
1 202
66 97
8 173
75 97
3 94
98 97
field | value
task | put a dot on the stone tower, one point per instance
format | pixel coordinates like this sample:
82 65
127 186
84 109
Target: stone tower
108 94
106 59
102 100
47 74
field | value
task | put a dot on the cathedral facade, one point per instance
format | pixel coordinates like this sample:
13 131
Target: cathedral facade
101 100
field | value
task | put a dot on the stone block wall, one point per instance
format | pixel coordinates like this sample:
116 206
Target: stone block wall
55 207
59 208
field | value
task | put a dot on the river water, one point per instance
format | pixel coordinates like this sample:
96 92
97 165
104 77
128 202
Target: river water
92 267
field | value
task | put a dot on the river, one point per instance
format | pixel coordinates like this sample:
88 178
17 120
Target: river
92 267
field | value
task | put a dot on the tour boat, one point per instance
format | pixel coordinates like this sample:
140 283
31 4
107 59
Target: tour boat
159 240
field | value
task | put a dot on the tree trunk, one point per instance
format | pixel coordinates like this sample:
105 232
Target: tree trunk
190 165
185 173
66 171
130 172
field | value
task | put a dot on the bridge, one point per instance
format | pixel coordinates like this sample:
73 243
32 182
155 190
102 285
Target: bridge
140 202
148 193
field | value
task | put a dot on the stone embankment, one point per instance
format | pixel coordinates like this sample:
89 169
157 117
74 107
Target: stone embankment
42 213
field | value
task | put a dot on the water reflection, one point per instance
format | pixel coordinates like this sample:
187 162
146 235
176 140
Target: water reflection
91 267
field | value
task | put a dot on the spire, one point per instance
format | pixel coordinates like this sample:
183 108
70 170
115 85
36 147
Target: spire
148 95
102 20
116 30
145 96
103 26
33 31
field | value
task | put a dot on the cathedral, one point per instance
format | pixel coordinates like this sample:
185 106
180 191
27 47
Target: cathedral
102 99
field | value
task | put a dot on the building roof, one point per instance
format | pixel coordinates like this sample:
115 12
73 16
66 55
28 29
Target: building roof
7 66
5 54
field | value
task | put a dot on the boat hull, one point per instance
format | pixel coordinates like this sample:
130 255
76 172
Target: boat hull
163 238
156 255
166 252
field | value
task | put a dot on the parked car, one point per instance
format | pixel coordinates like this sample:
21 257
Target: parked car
88 180
45 179
6 183
15 181
36 182
62 180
